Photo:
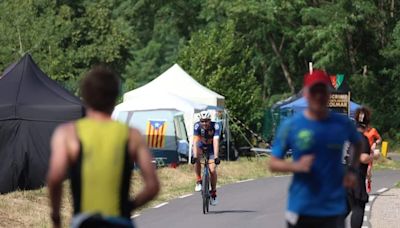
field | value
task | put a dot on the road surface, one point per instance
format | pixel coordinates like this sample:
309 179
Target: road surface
257 203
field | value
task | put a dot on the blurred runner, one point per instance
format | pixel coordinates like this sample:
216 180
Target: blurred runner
374 139
98 154
317 196
358 196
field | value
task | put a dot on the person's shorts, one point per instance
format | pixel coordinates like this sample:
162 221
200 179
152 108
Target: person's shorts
201 145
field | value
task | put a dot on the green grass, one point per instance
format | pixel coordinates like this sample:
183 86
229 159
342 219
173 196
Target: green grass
397 185
386 164
31 208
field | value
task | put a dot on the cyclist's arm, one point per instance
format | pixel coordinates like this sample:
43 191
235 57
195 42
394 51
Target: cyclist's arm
58 167
216 139
141 156
196 139
216 146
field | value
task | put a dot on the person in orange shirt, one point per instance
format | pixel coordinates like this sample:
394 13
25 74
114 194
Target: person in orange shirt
363 115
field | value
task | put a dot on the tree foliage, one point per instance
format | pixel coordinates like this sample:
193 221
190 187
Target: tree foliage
251 51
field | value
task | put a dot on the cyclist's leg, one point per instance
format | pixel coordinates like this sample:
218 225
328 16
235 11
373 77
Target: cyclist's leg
213 173
197 167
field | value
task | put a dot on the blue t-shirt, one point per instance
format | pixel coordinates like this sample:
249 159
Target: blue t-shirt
319 192
207 135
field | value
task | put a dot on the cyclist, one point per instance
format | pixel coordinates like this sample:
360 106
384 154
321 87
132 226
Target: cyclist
317 197
97 154
206 136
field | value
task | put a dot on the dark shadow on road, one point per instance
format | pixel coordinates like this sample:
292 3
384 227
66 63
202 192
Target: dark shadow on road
230 211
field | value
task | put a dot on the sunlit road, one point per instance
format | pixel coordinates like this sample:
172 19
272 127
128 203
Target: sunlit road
258 203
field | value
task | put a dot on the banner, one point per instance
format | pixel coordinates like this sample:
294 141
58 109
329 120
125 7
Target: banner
340 103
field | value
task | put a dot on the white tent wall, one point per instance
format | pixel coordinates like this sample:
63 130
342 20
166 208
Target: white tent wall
150 100
140 119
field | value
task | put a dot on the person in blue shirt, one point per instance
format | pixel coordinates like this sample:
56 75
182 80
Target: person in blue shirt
206 136
317 196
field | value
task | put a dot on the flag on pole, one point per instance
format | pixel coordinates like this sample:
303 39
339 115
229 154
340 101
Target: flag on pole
155 131
337 80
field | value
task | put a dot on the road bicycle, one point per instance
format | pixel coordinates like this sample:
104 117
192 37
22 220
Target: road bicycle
205 181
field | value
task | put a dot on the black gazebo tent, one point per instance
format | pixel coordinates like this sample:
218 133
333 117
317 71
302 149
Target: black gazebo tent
31 106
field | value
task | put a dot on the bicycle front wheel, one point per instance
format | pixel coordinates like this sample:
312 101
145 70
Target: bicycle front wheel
205 192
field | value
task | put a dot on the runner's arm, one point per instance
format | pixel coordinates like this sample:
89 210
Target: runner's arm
303 165
57 172
142 156
279 149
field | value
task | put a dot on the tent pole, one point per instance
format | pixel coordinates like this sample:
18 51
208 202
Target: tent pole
228 138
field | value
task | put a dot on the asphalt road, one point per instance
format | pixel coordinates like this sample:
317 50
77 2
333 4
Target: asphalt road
258 203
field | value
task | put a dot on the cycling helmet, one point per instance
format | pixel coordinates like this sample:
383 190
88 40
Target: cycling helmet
204 115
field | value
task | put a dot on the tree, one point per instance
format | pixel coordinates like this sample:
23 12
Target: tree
218 58
65 41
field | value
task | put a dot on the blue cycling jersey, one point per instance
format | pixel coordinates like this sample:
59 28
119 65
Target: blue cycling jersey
207 135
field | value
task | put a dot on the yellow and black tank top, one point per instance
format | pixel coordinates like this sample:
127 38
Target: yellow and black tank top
100 177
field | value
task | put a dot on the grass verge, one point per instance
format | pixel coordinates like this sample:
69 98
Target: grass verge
386 164
31 208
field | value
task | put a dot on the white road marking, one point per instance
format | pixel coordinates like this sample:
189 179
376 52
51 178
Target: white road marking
365 218
382 190
371 198
184 196
367 208
282 176
160 205
244 180
364 227
135 216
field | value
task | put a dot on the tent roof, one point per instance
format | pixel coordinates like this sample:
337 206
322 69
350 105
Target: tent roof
176 81
28 93
159 100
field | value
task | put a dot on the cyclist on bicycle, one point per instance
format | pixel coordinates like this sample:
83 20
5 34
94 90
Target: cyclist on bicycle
206 136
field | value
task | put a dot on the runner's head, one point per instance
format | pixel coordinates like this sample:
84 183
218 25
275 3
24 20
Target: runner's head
205 119
317 90
363 117
100 89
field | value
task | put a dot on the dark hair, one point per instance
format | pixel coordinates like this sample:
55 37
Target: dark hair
100 89
363 116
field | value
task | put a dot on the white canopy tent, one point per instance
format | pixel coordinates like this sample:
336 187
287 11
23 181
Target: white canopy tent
147 99
176 81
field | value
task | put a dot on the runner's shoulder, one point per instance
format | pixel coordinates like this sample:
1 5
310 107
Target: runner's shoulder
65 128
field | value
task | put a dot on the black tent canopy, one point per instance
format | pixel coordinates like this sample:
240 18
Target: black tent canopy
31 106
